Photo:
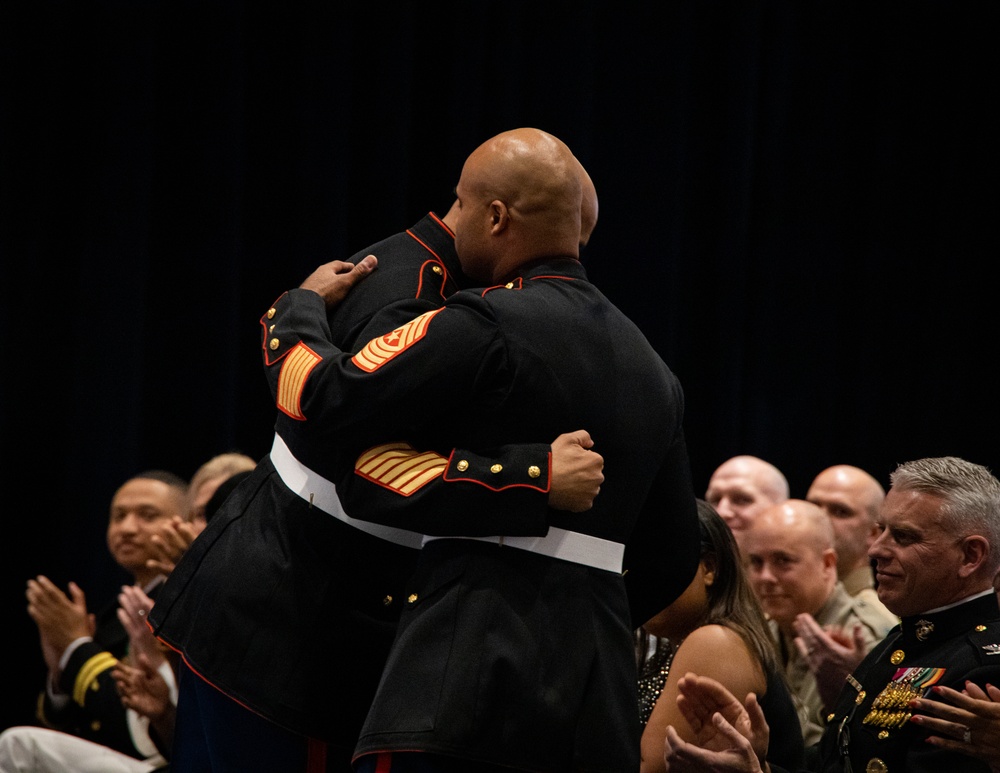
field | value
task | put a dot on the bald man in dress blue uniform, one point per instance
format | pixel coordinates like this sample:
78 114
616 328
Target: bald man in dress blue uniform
514 651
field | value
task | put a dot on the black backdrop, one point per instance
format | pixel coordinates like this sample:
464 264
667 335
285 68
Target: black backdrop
798 206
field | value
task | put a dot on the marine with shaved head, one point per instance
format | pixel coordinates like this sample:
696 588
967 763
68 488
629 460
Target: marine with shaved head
742 486
852 498
514 650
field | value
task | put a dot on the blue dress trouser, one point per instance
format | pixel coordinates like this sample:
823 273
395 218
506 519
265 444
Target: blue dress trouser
215 734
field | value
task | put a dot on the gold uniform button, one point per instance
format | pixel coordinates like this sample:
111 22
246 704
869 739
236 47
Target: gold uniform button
462 466
387 601
96 726
875 765
412 598
897 657
496 468
437 270
274 344
860 699
534 472
271 312
271 329
980 627
829 717
509 285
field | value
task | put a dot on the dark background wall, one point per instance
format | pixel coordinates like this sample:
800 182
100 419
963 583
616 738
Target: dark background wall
798 207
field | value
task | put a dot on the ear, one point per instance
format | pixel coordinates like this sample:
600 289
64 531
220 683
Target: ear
975 550
499 216
710 567
830 559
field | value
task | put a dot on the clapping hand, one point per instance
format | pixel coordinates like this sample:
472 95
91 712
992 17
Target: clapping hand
171 543
133 606
731 736
61 618
831 654
142 688
966 722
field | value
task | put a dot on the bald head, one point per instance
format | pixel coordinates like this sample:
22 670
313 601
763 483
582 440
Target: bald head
797 515
743 486
851 498
790 559
588 207
520 198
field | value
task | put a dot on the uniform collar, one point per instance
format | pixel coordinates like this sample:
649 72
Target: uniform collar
951 621
553 266
435 236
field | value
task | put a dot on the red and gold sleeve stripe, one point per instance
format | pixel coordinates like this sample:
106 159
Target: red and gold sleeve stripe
400 468
292 379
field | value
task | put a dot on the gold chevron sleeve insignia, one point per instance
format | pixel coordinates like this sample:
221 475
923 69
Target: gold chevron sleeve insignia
295 370
87 677
379 351
399 467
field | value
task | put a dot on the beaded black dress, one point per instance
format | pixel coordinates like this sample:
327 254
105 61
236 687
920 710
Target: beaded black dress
652 677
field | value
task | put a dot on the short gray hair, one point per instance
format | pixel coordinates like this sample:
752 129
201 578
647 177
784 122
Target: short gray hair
971 495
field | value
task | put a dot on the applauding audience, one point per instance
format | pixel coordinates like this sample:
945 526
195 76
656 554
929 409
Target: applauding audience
936 558
81 649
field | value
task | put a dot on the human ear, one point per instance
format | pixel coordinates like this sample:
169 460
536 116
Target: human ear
499 216
975 549
709 567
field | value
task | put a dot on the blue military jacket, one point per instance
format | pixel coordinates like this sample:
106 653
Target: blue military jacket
869 728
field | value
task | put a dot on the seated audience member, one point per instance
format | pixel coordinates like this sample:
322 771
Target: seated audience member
172 542
793 570
224 490
935 560
151 692
716 628
852 498
207 479
743 486
80 696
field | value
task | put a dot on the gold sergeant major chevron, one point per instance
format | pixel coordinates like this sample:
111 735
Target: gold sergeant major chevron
379 351
400 467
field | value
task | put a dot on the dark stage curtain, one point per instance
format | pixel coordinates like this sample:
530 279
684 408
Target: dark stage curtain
798 207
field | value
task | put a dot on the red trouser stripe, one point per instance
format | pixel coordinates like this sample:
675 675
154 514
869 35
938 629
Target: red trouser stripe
384 762
316 756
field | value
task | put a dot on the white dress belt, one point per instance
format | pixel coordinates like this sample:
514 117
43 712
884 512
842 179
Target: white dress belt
558 543
572 546
319 492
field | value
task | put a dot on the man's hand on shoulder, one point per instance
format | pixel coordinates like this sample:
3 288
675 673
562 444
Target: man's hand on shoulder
332 281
